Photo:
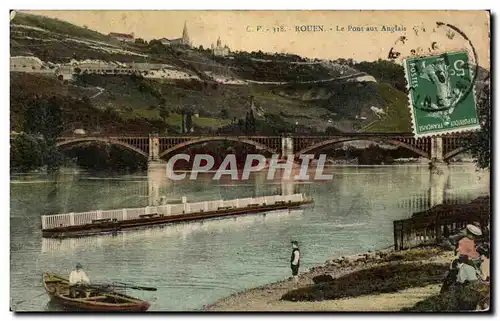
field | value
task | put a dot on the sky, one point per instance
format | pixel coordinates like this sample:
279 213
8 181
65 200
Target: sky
238 30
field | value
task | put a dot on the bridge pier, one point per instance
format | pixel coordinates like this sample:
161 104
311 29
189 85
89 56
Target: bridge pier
287 187
154 147
156 176
438 183
286 145
437 162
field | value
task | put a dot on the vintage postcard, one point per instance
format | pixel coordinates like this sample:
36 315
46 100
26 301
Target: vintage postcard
250 161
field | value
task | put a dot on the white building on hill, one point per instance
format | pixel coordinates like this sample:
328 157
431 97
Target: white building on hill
123 36
219 50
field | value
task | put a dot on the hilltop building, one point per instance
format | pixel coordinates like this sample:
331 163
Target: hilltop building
179 41
219 50
123 36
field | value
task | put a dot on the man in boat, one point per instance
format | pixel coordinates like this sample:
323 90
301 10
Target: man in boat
77 278
295 260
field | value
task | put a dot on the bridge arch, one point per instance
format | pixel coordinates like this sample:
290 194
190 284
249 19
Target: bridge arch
455 152
334 141
78 140
214 139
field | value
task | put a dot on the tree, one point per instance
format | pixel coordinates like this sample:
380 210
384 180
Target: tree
44 117
224 113
250 122
479 142
183 124
189 121
164 113
241 125
25 153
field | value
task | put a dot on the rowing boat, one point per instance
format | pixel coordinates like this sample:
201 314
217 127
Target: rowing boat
96 299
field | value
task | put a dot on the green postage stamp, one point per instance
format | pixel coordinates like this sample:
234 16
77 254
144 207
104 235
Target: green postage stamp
441 94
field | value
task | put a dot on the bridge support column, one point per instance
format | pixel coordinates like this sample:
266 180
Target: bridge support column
156 176
286 145
287 187
437 164
437 151
438 183
154 147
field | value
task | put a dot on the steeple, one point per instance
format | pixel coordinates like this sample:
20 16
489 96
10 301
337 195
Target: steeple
185 36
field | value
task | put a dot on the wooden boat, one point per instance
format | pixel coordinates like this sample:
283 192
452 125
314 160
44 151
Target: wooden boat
96 300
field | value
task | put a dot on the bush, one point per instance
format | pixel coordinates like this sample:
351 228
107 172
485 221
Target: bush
461 298
380 279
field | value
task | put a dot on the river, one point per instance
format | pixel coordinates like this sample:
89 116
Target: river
193 264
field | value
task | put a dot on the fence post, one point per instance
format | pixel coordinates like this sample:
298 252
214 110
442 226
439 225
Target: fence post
394 232
437 228
169 209
44 222
72 218
124 214
205 206
99 214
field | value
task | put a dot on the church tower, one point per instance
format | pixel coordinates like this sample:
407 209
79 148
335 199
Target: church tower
185 36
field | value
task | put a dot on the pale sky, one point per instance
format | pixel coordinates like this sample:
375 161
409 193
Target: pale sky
233 27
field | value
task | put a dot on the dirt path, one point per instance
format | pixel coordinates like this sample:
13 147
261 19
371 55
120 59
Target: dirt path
381 302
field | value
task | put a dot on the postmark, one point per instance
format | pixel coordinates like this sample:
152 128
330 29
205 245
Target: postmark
441 94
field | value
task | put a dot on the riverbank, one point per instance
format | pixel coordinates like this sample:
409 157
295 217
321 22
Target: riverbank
399 293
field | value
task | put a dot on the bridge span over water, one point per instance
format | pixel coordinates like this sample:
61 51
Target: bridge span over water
161 148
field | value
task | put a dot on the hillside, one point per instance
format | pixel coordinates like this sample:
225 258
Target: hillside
285 92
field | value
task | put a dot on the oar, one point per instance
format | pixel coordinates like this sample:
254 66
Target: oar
121 285
136 287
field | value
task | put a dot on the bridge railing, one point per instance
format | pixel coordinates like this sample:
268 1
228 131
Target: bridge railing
83 218
139 134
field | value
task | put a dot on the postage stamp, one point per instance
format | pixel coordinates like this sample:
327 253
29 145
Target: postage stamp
289 160
441 94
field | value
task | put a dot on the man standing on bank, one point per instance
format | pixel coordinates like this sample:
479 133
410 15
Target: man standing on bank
295 260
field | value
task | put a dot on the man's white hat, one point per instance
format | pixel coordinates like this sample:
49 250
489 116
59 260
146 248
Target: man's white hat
474 229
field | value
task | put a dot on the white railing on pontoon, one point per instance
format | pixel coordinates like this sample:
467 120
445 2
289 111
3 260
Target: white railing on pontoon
75 219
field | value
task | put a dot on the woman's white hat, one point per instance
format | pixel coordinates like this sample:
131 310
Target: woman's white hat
474 229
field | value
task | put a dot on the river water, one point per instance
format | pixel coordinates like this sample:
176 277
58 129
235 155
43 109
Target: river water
193 264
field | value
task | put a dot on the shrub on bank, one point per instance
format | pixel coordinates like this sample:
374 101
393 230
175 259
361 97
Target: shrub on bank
380 279
466 298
